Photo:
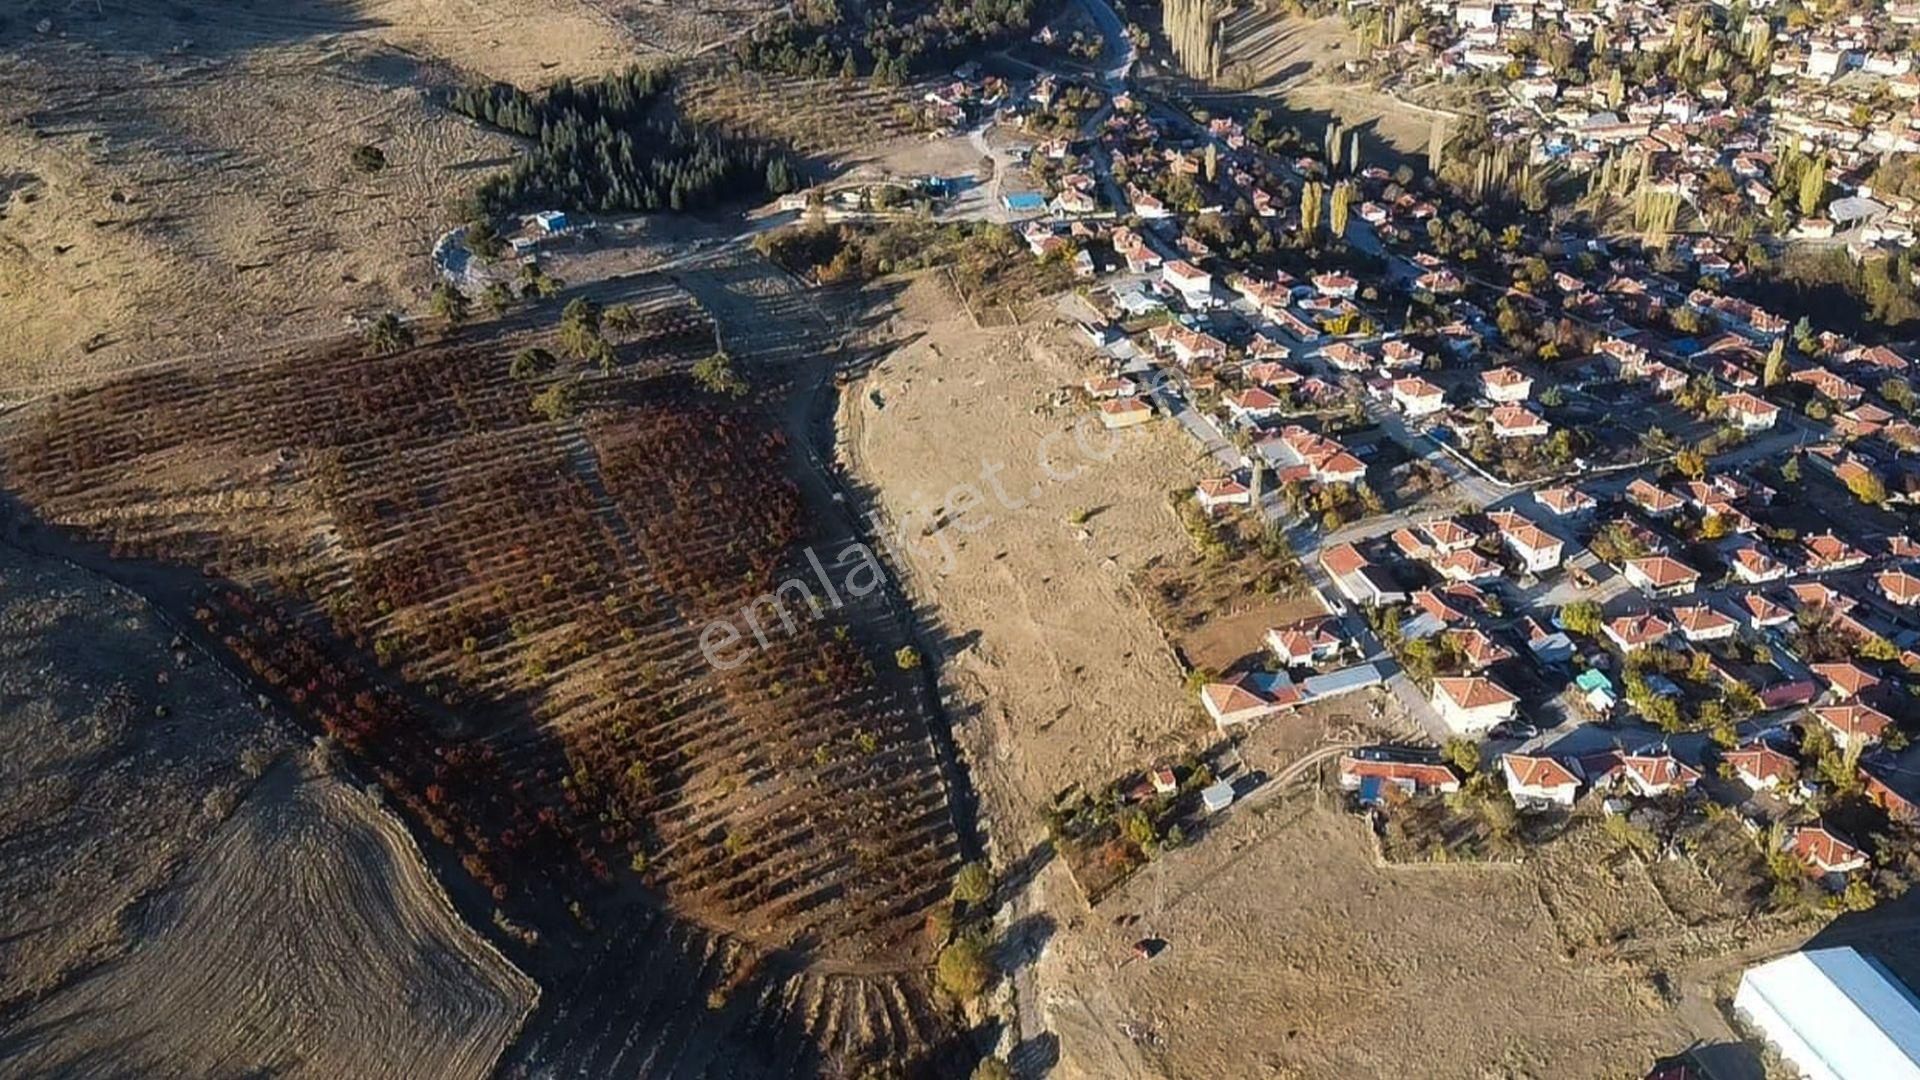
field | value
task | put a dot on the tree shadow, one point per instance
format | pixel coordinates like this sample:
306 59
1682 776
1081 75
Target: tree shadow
1022 871
1024 941
1036 1056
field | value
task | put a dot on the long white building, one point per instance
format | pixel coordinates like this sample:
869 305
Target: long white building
1835 1015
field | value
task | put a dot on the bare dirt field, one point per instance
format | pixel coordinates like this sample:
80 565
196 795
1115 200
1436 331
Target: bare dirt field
308 940
1293 954
1049 639
147 926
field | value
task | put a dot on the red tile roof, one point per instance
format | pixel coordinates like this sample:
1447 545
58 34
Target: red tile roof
1665 571
1855 721
1538 772
1762 762
1823 850
1473 692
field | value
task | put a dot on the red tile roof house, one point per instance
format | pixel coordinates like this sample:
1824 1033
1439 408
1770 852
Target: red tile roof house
1432 539
1323 459
1898 805
1163 780
1535 782
1438 607
1248 698
1124 412
1661 575
1336 284
1505 385
1653 775
1564 501
1253 404
1449 535
1359 580
1186 278
1624 358
1749 413
1825 854
1698 622
1753 566
1631 632
1761 767
1306 642
1653 501
1828 552
1399 354
1263 347
1899 587
1111 387
1471 704
1853 723
1343 356
1479 651
1188 346
1215 495
1829 385
1271 374
1845 679
1818 594
1763 613
1466 566
1418 397
1514 422
1407 776
1537 549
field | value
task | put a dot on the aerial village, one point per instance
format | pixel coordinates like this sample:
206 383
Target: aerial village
1610 538
1727 118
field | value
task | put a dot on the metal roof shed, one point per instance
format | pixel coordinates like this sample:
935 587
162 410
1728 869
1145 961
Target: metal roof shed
1835 1015
1217 797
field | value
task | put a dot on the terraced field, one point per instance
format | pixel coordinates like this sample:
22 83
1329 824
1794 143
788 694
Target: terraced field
500 617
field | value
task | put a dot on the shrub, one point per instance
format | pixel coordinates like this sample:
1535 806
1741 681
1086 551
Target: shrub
907 658
974 883
715 374
368 158
963 968
556 402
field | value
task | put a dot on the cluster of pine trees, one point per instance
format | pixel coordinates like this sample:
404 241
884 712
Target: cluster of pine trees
602 146
890 43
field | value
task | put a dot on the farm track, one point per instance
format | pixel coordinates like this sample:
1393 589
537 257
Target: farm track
538 590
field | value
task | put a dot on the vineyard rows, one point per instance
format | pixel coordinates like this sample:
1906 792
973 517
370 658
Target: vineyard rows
500 616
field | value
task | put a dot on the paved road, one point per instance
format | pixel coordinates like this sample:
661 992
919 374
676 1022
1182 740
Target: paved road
1119 56
1199 425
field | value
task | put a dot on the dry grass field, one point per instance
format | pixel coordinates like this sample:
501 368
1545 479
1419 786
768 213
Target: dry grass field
1293 954
1071 677
176 177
